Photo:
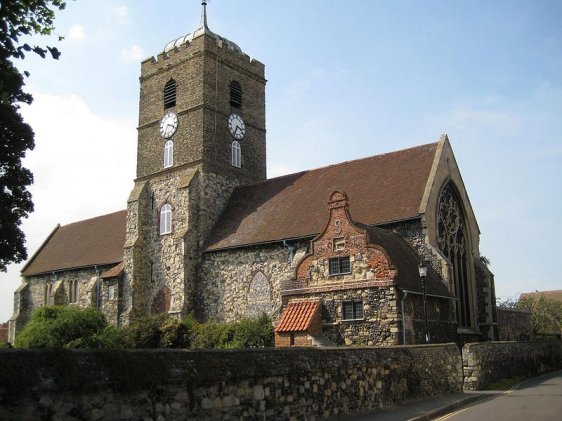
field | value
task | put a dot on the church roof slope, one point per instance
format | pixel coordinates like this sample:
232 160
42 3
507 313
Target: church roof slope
381 189
96 241
402 255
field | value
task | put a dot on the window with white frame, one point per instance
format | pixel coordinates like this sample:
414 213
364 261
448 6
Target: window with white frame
166 219
168 154
111 292
236 155
352 310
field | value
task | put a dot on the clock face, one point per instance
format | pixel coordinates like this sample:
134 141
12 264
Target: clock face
168 125
236 126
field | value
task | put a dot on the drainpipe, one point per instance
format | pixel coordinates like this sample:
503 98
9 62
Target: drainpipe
98 288
403 316
291 247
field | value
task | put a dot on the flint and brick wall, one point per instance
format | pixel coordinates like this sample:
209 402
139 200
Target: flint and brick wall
487 362
250 384
514 325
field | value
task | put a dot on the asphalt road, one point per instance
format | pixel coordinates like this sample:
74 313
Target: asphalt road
538 399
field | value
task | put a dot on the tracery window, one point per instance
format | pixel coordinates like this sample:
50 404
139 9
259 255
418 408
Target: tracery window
452 241
170 94
168 154
235 94
236 155
166 219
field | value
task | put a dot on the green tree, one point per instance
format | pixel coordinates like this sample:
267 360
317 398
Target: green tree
68 327
546 313
18 18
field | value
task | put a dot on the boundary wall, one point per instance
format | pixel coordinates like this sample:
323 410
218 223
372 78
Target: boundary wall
294 383
487 362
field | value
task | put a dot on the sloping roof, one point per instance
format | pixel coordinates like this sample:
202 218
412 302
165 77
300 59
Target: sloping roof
96 241
114 272
555 295
382 188
406 260
297 316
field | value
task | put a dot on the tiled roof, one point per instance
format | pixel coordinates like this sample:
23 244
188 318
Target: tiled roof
96 241
551 295
114 271
382 188
297 316
406 261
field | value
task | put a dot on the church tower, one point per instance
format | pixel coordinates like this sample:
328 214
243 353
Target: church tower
201 133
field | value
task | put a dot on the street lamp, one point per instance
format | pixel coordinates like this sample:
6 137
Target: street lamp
422 268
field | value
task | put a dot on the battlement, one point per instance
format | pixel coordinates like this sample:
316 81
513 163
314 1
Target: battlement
197 42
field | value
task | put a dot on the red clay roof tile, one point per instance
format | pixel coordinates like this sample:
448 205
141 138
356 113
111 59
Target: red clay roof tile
297 316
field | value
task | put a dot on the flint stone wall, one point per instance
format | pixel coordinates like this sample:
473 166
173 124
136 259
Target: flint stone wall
249 384
487 362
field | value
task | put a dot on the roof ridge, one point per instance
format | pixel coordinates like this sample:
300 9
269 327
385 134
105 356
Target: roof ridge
337 164
92 218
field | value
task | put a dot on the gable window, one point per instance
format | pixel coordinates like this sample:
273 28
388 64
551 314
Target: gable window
339 265
168 154
236 160
73 292
170 94
235 94
166 219
352 310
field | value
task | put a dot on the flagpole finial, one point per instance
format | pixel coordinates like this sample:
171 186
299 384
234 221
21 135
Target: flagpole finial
204 14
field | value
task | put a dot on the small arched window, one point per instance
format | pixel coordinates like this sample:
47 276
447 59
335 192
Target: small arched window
170 94
166 219
168 154
73 292
235 94
236 155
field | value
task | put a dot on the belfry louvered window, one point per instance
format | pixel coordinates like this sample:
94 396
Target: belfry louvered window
235 94
170 94
453 243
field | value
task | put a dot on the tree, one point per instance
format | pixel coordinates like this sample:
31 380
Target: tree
546 313
18 18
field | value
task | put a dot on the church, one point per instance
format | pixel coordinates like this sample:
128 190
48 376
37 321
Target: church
332 255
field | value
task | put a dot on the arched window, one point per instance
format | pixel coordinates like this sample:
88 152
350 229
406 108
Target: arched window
235 94
170 94
166 219
236 155
168 154
453 243
258 298
73 291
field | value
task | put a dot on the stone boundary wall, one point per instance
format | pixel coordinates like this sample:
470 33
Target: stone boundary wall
297 383
487 362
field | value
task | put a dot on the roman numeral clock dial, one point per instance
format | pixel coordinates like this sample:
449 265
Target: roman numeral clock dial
168 125
236 126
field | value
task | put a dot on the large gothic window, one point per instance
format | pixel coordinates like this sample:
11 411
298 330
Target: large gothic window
452 241
235 94
170 94
166 219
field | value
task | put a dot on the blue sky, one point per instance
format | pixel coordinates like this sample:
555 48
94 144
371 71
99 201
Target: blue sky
346 79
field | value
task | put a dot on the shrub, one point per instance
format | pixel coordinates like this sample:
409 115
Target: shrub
174 334
144 332
253 333
58 327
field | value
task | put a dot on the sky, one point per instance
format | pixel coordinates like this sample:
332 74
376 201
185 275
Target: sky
346 80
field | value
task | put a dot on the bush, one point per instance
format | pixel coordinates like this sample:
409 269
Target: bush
144 332
174 334
65 327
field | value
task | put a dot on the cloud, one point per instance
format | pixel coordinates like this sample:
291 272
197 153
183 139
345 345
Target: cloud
132 55
122 13
76 32
473 119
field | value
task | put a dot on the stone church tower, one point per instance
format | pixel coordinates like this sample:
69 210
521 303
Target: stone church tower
201 133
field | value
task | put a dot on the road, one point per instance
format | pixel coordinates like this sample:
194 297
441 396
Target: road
538 399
